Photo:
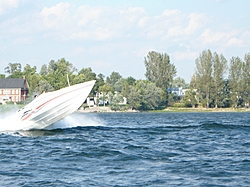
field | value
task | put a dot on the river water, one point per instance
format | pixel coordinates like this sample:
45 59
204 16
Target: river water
129 149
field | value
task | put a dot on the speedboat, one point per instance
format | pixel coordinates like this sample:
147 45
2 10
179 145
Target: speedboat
51 107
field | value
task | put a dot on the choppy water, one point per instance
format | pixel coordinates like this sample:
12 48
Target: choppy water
130 149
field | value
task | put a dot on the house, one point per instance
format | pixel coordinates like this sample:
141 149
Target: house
177 91
100 99
91 101
180 92
13 89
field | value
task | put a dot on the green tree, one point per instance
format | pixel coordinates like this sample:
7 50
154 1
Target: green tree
125 89
44 70
28 70
179 82
2 76
57 73
130 80
193 82
88 73
122 82
33 81
159 70
76 79
236 80
134 98
115 99
190 98
113 78
32 77
104 89
144 95
246 79
16 74
203 74
100 80
219 71
118 85
226 94
43 85
12 67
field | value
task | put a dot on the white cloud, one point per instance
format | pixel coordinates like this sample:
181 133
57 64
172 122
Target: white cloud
87 14
6 5
111 35
234 42
79 35
142 21
196 21
185 55
173 24
188 25
102 23
168 24
55 16
23 40
133 14
221 38
208 36
99 64
78 50
246 37
92 23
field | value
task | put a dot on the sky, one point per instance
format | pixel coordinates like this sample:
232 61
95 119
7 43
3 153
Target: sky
115 36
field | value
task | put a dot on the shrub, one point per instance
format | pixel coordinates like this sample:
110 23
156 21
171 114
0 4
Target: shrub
179 105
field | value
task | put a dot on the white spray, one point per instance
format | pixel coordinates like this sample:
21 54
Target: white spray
8 122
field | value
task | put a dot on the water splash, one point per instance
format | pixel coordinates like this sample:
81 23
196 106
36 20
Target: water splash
77 120
8 122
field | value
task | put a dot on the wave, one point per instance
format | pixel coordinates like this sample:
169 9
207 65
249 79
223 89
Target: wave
9 123
76 120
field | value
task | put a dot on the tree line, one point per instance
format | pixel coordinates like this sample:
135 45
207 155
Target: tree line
219 83
214 83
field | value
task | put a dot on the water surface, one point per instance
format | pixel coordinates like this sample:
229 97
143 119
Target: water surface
130 149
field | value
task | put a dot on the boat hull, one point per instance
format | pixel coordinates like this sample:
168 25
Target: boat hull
51 107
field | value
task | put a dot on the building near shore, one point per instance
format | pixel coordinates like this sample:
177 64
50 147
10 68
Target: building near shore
13 89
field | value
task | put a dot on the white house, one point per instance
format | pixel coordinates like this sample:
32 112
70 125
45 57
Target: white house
177 91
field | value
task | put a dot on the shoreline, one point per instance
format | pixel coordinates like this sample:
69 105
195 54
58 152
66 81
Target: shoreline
169 109
172 109
96 109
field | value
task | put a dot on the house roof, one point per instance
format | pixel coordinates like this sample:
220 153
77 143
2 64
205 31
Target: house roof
13 83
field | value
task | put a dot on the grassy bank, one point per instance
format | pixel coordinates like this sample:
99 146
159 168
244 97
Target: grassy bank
169 109
174 109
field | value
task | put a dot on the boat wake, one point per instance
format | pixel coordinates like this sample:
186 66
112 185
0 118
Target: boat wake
76 120
9 123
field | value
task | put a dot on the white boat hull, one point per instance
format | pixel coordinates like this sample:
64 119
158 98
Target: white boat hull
51 107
